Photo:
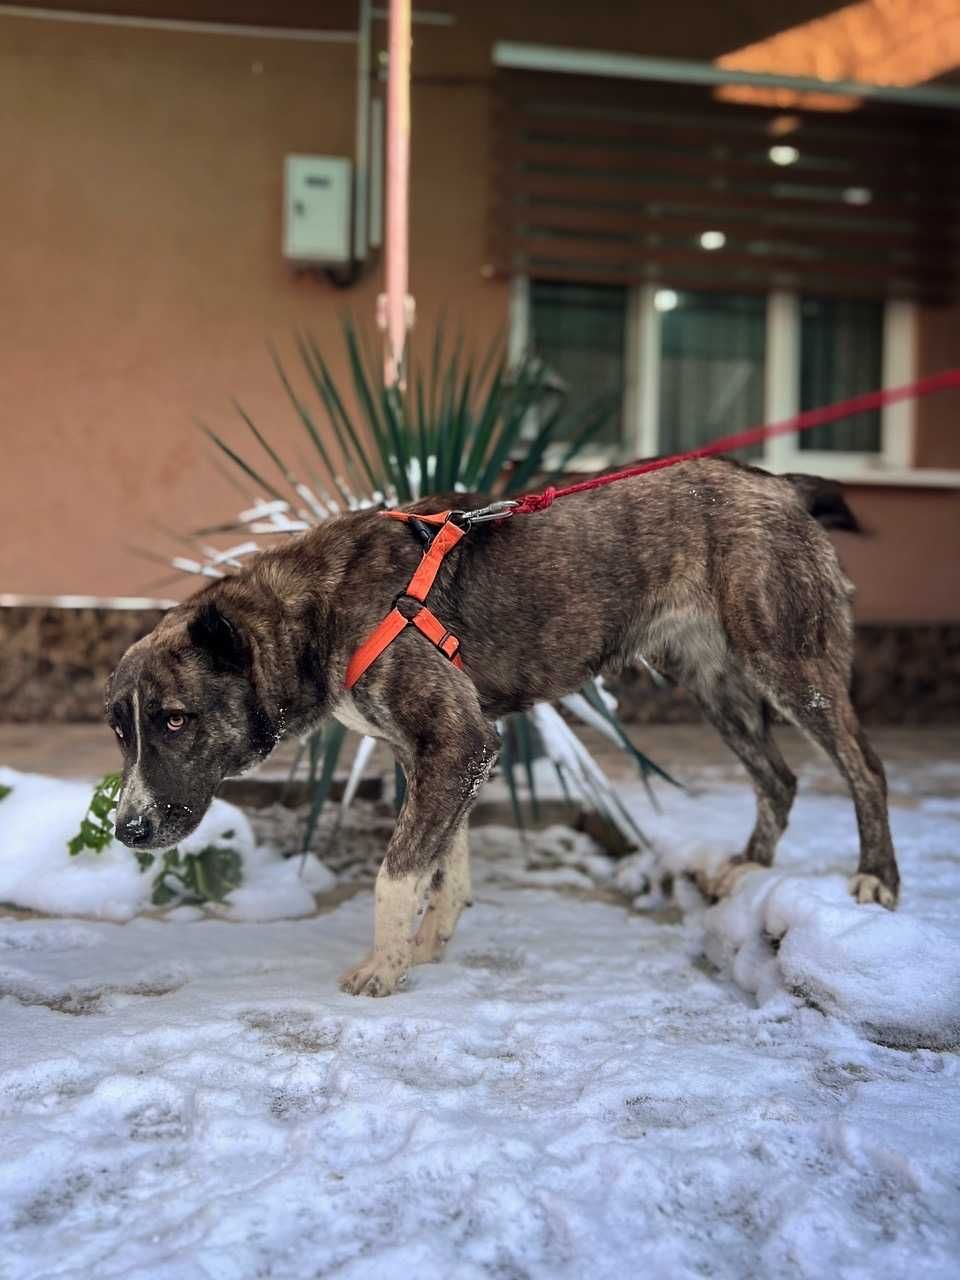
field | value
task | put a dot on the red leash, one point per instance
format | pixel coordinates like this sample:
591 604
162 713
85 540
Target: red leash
945 381
451 526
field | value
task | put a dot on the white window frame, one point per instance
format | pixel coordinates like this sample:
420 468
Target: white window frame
782 396
893 464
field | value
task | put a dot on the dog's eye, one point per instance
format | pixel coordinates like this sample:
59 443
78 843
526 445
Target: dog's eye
176 721
118 731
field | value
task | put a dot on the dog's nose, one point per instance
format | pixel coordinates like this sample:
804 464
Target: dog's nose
135 830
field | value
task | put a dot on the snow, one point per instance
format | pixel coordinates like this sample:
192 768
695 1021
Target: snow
895 975
898 976
577 1090
41 814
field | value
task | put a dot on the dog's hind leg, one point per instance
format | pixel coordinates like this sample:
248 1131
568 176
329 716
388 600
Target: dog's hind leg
742 719
451 892
814 694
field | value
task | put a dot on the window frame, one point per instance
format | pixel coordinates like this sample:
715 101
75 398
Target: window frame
893 464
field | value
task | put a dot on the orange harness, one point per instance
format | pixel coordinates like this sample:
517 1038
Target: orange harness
444 540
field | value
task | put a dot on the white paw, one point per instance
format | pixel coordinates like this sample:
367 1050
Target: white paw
867 888
722 882
373 977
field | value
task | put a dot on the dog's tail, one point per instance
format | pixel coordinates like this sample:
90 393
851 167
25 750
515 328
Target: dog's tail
824 500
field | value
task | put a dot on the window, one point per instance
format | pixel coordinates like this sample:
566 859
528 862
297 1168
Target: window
579 332
841 355
712 359
693 366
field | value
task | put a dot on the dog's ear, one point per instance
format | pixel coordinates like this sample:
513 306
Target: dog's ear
213 633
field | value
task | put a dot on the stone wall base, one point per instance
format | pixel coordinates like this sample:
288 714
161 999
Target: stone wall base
54 661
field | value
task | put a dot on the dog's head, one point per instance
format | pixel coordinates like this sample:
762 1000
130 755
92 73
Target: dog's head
185 707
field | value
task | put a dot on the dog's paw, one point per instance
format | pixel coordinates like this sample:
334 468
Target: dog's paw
867 888
373 977
722 882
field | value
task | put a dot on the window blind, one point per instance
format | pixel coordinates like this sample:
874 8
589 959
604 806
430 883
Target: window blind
614 181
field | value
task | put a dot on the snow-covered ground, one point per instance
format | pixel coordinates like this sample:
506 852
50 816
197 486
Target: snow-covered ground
576 1091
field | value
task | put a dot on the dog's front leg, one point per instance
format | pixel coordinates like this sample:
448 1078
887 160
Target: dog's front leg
445 768
398 901
424 880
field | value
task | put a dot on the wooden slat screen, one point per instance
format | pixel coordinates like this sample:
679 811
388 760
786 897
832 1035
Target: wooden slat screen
615 181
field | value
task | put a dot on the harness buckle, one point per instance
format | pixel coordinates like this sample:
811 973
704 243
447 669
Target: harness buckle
449 646
480 515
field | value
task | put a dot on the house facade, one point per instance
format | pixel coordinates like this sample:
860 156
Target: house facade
714 264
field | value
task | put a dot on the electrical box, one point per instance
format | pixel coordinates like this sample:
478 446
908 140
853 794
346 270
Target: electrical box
316 203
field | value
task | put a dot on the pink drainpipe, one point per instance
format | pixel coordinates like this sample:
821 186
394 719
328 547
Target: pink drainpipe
398 187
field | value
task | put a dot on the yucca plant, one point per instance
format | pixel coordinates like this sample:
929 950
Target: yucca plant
462 424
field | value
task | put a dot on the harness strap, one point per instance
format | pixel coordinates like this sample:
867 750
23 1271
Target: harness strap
446 538
374 645
408 517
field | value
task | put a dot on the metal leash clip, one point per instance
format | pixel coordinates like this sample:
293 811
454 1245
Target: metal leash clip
495 511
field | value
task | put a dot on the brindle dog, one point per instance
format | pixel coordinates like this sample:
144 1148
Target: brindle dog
718 573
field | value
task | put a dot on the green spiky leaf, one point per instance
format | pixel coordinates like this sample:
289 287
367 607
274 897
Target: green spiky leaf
326 753
643 762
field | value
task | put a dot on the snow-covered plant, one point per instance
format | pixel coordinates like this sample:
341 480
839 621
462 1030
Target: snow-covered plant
463 424
195 878
4 791
205 876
